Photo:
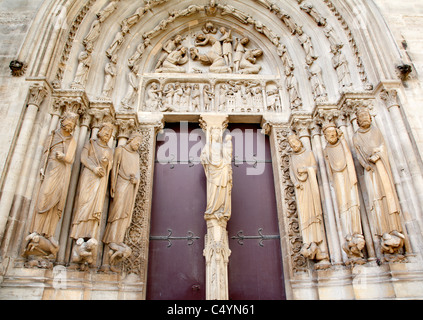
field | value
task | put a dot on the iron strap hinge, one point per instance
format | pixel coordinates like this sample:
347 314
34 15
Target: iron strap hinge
190 238
240 237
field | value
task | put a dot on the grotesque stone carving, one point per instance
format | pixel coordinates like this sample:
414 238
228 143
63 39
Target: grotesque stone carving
57 160
83 254
303 168
384 205
216 158
125 180
343 177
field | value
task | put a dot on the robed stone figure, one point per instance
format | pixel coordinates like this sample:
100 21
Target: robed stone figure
344 180
216 158
384 204
303 169
97 158
125 180
56 163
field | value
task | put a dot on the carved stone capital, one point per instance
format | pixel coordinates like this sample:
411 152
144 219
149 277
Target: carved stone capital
125 127
300 123
210 120
272 121
75 101
326 116
36 95
389 97
101 111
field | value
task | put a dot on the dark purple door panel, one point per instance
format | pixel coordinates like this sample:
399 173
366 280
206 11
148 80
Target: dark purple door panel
176 263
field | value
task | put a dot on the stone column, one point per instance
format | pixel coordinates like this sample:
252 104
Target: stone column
126 123
216 249
36 95
389 96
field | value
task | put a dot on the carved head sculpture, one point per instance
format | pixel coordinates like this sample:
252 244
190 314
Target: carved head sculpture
68 121
105 132
135 140
215 134
331 133
364 119
295 143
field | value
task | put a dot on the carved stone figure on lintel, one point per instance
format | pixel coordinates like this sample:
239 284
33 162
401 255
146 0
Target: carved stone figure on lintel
303 169
344 180
385 209
57 160
97 159
125 180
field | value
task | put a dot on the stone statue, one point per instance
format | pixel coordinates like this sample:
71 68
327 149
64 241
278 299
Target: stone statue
97 158
214 57
110 72
247 64
340 64
344 180
154 94
303 169
57 160
170 46
84 63
129 99
125 180
384 204
174 60
117 41
216 158
226 40
83 253
239 51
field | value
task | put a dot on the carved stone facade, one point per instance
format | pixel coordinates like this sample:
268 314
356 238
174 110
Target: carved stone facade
93 76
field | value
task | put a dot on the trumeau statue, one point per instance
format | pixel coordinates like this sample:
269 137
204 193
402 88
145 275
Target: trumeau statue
97 158
303 169
125 180
384 204
216 158
344 180
57 160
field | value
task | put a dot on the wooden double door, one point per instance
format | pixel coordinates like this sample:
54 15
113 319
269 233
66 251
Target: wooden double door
176 268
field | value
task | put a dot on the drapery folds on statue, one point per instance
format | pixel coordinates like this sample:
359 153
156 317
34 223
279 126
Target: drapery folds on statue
56 163
303 170
344 180
383 200
125 180
97 158
216 158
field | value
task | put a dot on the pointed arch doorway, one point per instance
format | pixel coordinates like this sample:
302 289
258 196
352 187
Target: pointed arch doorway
176 268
